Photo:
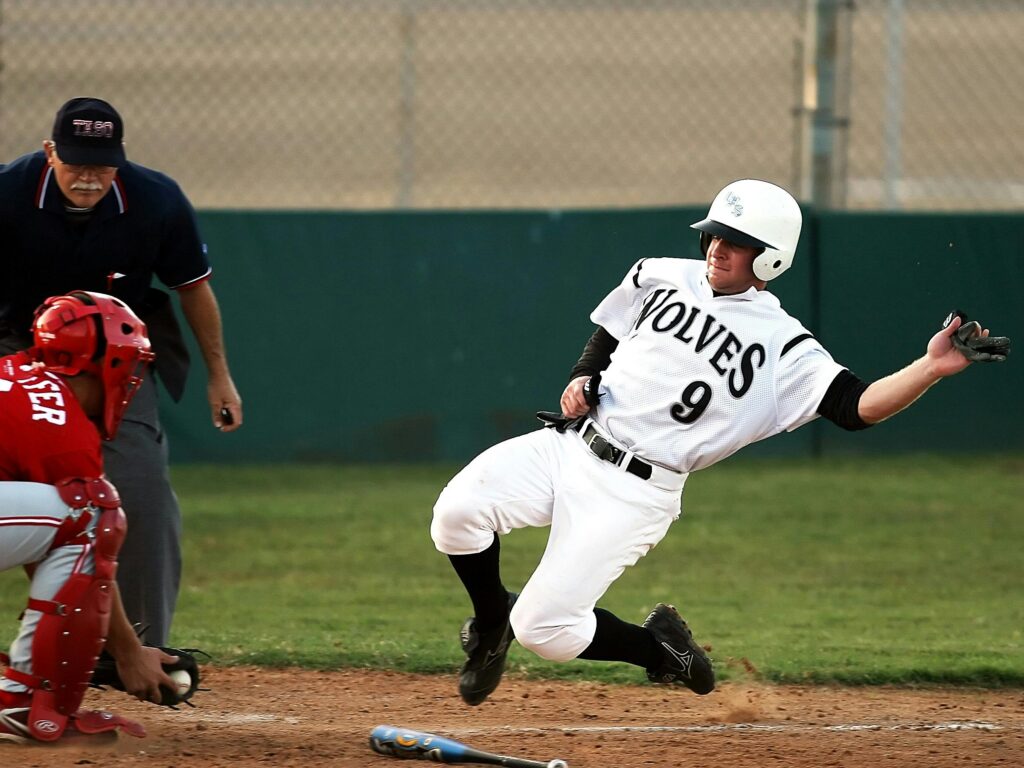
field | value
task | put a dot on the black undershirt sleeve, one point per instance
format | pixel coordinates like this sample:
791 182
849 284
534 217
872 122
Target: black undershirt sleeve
596 354
839 405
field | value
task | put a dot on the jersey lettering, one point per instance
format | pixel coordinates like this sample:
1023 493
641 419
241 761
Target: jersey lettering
724 351
668 316
747 369
681 333
653 303
704 340
40 397
52 415
665 319
40 391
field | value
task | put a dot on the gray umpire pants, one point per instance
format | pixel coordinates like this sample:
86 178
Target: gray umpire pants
149 565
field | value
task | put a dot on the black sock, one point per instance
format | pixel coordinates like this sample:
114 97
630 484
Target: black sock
615 640
481 577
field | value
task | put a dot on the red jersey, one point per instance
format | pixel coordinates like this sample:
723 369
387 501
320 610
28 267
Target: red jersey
45 435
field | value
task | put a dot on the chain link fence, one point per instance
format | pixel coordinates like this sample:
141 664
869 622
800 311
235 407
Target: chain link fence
383 104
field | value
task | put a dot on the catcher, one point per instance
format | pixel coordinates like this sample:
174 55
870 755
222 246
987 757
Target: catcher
61 519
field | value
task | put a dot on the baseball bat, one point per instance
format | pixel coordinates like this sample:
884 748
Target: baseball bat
406 743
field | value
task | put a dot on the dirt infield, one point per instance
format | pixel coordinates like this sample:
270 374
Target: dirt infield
255 717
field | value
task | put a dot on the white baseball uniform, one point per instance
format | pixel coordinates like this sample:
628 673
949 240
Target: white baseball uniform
694 378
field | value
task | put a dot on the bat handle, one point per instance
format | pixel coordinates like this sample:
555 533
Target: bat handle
519 762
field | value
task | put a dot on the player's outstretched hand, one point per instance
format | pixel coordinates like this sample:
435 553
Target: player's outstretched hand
944 355
574 400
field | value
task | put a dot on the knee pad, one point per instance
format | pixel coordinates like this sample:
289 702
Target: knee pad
84 496
549 632
73 628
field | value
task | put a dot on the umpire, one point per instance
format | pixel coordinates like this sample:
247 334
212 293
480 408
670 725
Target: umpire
78 216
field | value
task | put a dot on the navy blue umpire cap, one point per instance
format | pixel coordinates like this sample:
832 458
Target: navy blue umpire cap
89 131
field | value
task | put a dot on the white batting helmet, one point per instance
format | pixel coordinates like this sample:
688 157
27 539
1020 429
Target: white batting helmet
755 214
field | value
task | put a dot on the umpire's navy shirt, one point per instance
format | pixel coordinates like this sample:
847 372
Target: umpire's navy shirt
144 226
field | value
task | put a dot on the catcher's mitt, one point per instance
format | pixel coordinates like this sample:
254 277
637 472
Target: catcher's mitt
972 345
105 674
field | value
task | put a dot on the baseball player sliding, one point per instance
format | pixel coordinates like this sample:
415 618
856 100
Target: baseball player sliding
690 362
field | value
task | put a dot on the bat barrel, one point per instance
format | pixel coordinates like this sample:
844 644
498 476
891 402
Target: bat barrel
406 743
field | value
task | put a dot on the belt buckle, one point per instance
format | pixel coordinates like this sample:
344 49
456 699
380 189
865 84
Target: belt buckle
603 449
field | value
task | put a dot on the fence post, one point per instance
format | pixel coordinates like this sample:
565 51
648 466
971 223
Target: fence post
824 101
406 181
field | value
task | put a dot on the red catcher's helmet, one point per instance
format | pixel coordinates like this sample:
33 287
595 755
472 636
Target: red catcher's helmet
87 332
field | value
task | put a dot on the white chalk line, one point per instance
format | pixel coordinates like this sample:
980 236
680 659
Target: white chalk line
243 718
240 718
741 728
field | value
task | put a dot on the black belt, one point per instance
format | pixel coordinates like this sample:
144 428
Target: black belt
601 448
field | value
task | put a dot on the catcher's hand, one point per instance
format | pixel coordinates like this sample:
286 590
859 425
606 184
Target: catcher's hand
105 674
972 344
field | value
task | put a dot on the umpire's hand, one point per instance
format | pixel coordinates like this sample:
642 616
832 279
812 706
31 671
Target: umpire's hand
225 404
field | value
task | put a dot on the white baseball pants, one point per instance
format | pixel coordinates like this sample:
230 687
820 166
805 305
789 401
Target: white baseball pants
602 520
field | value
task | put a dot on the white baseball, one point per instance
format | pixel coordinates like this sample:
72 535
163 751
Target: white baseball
182 681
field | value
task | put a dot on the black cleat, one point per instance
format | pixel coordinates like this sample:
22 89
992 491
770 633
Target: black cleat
487 651
685 662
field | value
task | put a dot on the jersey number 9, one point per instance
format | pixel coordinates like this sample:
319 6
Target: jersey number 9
695 400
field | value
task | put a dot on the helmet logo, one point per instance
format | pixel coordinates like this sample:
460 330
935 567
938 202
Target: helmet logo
735 204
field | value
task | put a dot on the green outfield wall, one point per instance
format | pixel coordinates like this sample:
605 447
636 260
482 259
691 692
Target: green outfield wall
425 336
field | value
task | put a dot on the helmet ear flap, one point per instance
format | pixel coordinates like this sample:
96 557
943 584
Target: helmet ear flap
705 243
771 263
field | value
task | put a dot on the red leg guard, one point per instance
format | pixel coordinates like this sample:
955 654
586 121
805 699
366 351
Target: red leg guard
83 494
73 630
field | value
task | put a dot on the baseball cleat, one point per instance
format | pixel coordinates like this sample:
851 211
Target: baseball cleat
13 725
92 724
684 662
487 652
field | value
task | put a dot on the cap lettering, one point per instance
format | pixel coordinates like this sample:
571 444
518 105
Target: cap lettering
101 129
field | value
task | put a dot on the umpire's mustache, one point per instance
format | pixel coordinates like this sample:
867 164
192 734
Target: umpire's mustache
87 186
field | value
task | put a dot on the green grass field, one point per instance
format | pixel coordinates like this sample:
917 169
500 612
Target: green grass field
889 570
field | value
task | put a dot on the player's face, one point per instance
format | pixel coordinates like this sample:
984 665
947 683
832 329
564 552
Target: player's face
82 185
731 267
